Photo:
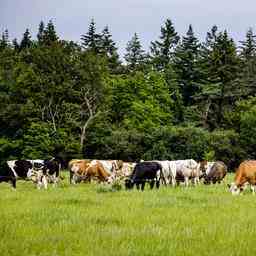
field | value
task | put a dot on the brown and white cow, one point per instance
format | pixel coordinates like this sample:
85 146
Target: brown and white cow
246 173
87 170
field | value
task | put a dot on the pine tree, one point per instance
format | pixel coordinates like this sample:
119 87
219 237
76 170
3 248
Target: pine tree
26 41
187 66
49 34
135 55
91 40
220 67
248 47
162 50
40 34
108 47
15 44
4 41
248 64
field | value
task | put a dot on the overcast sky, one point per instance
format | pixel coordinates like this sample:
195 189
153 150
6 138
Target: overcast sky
125 17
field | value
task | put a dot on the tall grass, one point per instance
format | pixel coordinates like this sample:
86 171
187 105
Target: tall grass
82 220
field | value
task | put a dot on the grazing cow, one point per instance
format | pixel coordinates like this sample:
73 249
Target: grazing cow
97 170
87 170
216 173
77 169
246 173
187 169
39 171
145 172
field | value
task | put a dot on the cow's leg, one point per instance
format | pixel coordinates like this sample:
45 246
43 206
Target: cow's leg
143 185
157 184
173 181
13 183
253 189
44 182
152 183
186 181
137 185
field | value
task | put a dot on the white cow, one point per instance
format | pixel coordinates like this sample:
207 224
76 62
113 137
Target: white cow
169 171
189 169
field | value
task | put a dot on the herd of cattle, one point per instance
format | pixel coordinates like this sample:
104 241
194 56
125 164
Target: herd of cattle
172 173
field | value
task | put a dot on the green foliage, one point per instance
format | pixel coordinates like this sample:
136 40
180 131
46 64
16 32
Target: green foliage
40 142
186 99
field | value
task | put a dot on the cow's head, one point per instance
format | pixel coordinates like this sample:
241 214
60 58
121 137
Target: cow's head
234 189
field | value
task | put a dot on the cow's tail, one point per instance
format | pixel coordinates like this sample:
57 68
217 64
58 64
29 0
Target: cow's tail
162 176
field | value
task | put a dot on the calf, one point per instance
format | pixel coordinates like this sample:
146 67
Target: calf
246 173
145 172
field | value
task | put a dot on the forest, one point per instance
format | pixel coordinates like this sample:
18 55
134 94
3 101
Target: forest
180 99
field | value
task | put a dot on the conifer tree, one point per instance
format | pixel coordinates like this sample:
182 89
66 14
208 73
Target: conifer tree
220 65
108 47
40 34
162 49
15 44
187 66
49 34
4 41
26 40
135 55
248 64
91 40
248 47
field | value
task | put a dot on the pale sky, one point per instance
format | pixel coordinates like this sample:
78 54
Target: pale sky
126 17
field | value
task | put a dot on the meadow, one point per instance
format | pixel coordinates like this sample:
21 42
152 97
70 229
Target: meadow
88 219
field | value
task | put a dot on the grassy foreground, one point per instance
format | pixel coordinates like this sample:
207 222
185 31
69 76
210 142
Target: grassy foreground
84 220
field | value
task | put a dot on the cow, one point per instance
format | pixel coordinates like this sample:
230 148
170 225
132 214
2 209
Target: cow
77 169
39 171
169 171
145 172
187 169
246 173
87 170
216 172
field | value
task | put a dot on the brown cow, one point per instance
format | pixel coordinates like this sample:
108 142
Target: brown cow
246 173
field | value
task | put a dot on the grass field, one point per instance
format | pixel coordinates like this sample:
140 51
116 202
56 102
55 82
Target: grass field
85 220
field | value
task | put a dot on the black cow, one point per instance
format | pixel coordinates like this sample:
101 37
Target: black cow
145 172
216 174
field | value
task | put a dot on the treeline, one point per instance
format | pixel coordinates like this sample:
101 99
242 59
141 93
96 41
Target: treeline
181 99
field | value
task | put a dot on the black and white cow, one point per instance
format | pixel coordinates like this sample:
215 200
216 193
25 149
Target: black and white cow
145 172
39 171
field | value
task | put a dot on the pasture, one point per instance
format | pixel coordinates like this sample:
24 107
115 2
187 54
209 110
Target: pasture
86 219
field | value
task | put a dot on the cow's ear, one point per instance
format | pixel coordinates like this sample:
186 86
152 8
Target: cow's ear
228 185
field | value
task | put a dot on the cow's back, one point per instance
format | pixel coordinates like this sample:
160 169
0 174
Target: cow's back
246 172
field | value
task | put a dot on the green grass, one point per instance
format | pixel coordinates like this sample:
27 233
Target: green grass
88 219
